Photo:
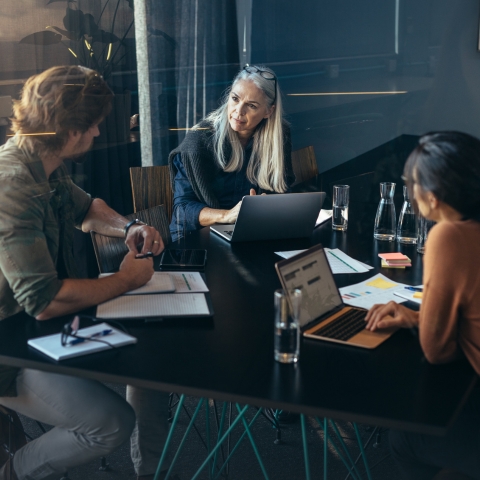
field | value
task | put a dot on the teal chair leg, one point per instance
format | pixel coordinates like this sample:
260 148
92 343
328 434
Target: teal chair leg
305 447
169 437
362 451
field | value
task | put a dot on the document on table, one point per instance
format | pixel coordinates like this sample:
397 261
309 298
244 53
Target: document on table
160 282
377 289
155 305
188 282
409 295
51 345
339 261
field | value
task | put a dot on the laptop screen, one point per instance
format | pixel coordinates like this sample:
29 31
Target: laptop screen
311 273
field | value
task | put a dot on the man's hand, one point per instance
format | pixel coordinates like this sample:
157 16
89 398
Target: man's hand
145 237
390 315
135 271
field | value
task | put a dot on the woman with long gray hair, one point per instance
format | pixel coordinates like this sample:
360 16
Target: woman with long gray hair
241 148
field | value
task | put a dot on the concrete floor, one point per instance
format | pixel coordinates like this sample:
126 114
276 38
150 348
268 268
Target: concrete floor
282 462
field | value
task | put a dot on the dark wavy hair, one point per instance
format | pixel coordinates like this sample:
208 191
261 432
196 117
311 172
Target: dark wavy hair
448 165
56 101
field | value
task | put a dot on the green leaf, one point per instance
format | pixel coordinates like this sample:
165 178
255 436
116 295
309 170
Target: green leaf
89 25
74 22
69 35
42 38
105 37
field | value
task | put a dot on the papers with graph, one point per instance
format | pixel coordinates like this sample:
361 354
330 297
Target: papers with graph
339 261
377 289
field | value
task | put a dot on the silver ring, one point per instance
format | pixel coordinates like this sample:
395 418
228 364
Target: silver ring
155 241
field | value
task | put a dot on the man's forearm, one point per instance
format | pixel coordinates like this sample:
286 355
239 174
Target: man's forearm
77 294
103 219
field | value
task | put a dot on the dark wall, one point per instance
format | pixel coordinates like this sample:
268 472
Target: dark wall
425 49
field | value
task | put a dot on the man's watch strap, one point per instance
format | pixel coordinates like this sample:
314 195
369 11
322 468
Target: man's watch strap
129 224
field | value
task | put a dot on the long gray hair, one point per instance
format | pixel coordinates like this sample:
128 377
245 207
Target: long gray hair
266 165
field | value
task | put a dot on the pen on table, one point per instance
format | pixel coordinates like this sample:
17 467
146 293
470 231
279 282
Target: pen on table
103 333
144 255
414 289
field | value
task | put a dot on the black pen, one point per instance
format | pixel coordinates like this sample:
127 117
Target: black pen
144 255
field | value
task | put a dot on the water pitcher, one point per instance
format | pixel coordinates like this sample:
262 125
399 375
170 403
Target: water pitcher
386 218
407 227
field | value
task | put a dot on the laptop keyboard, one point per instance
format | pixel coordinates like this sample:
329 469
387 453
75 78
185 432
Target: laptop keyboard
344 327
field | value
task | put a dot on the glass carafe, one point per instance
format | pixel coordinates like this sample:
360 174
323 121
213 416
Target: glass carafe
407 227
386 218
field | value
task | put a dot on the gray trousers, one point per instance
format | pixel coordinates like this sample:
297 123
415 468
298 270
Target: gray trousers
90 420
151 429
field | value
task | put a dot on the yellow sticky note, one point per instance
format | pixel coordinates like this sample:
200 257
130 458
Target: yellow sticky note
381 283
418 295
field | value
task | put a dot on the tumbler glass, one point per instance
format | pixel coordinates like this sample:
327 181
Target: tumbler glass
287 327
341 194
423 227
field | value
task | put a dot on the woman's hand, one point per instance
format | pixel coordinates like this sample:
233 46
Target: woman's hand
230 216
390 315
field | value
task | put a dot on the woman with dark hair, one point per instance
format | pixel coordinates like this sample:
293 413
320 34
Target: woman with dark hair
241 148
443 177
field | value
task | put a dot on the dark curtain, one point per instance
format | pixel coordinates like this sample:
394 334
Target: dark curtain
193 54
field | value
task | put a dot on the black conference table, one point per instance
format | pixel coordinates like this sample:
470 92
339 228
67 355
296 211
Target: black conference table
230 356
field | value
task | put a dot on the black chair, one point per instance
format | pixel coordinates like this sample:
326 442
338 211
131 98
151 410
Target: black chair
111 250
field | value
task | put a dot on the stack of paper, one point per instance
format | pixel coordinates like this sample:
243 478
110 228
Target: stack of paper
154 299
339 261
377 289
395 260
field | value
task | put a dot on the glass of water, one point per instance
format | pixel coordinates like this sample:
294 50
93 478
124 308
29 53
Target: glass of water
287 326
341 195
423 227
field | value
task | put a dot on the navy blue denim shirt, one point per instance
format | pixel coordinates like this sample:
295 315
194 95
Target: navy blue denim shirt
229 188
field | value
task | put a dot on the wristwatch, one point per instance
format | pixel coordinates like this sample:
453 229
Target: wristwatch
129 224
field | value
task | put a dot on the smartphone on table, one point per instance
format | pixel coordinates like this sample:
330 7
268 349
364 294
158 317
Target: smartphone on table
183 259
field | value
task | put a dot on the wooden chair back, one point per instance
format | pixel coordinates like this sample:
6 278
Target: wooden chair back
111 250
304 164
151 187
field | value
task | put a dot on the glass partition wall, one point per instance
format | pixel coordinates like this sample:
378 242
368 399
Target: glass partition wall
355 75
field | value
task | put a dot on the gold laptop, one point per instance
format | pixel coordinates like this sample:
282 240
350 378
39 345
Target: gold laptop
323 315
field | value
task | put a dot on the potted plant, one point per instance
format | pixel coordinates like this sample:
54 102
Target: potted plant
88 43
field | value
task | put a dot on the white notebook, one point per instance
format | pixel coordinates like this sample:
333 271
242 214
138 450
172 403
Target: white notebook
161 305
160 282
52 346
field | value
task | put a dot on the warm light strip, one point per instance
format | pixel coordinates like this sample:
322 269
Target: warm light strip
323 94
188 129
109 51
73 53
30 134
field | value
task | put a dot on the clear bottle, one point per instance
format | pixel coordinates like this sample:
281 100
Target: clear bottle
386 218
407 221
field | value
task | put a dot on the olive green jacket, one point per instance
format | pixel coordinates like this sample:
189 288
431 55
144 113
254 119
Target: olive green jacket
37 218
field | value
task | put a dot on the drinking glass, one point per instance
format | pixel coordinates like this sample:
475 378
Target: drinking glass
287 327
386 217
407 228
341 194
423 227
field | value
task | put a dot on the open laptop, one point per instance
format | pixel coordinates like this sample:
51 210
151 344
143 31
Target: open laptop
271 217
323 314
